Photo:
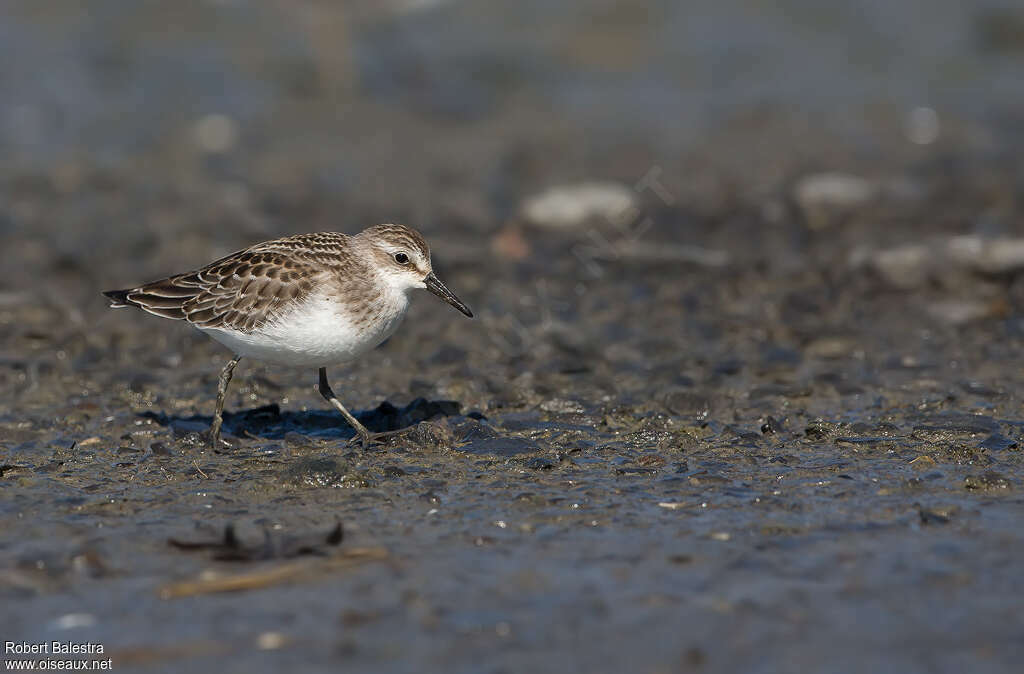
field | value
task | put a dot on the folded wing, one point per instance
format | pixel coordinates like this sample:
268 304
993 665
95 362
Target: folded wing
240 292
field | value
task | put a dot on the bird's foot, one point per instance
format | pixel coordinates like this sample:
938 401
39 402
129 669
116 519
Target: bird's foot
216 442
366 439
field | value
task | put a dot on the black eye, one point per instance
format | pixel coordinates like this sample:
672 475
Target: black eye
401 258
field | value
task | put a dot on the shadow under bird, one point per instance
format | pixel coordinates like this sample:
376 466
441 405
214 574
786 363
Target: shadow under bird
310 300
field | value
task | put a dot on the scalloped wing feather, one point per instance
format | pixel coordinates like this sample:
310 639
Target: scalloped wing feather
243 291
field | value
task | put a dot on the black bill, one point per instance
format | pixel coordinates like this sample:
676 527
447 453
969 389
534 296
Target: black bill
435 286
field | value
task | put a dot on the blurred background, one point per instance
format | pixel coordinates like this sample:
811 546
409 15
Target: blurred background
140 139
710 244
176 132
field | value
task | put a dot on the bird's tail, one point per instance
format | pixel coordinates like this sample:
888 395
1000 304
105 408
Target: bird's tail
118 298
166 297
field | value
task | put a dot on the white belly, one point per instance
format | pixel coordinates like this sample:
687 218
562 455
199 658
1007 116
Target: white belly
316 333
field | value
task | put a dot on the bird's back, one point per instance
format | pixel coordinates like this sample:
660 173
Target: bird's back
248 289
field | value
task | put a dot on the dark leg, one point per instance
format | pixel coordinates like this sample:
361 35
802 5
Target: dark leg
325 390
222 391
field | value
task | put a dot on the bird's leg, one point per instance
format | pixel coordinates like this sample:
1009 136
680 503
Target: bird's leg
222 391
325 390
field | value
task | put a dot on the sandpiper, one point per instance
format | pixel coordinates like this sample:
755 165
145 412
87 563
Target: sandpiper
309 300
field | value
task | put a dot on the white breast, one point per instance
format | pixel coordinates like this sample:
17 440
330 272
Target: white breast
316 333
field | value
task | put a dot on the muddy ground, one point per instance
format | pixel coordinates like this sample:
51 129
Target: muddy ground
759 411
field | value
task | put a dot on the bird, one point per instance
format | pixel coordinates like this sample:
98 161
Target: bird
306 300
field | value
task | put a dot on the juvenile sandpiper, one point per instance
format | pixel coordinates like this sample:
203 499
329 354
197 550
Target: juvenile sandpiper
310 300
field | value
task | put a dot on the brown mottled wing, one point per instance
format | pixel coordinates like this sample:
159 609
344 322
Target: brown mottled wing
245 292
239 292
